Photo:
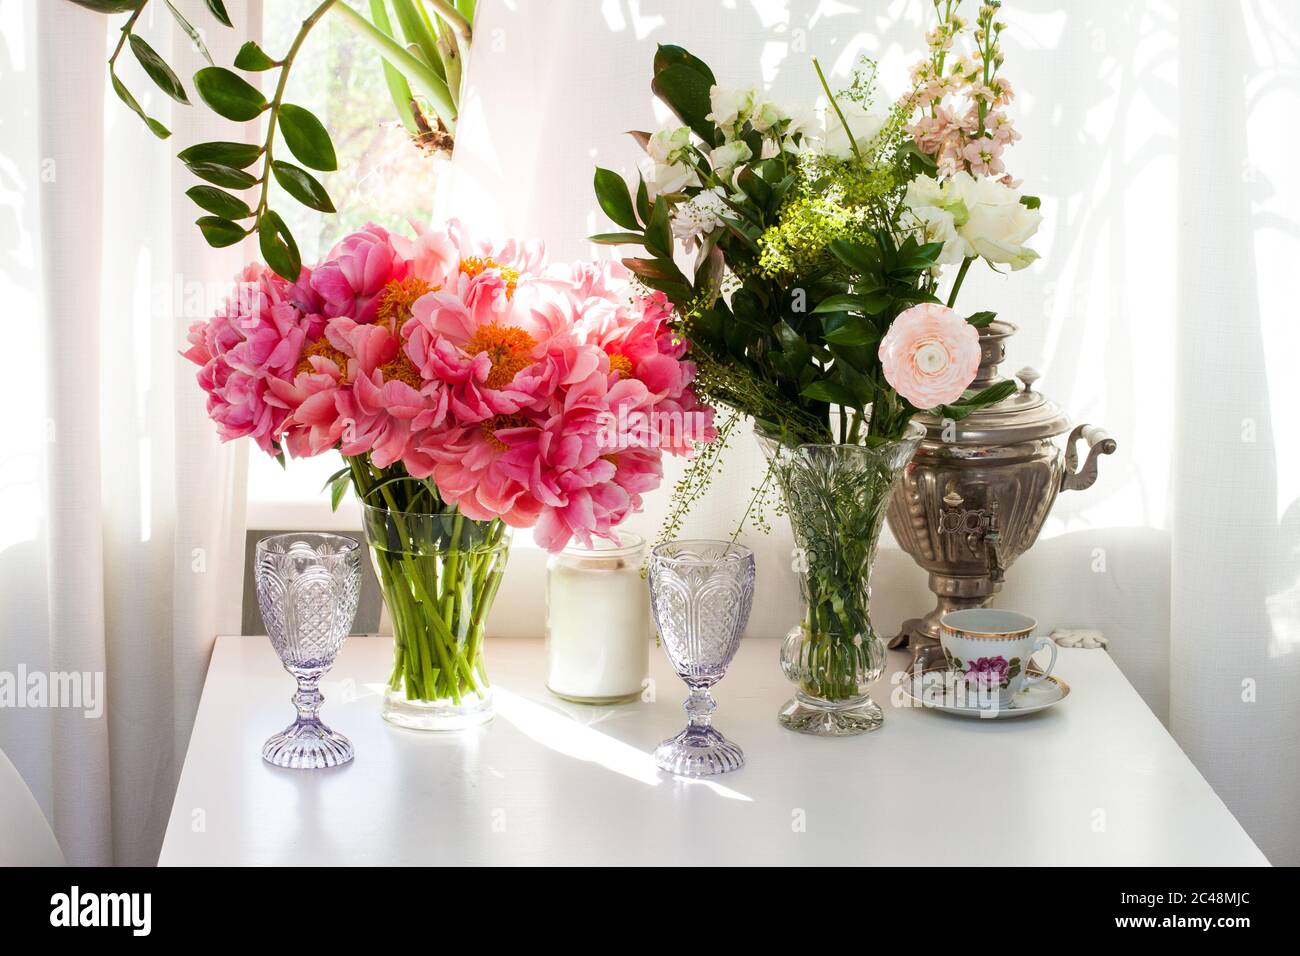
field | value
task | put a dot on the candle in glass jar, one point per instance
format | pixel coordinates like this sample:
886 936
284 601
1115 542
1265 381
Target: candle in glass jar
598 622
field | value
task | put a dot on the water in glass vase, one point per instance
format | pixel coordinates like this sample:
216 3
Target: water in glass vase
439 574
836 497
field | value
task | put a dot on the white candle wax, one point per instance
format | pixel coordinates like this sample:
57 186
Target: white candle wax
598 622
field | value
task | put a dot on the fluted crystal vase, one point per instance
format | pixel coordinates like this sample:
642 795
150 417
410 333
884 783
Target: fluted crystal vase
836 497
439 573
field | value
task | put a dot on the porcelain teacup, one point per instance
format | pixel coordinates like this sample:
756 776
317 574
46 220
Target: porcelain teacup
990 650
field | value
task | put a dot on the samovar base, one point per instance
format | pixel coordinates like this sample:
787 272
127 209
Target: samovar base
921 634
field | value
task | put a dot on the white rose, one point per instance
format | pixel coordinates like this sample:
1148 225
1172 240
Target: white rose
937 226
765 115
997 223
728 156
666 145
730 108
663 178
865 126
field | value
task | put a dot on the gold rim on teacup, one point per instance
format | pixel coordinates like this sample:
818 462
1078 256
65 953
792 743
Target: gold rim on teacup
952 624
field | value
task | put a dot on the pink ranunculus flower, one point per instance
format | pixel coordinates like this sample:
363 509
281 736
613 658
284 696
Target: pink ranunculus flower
930 355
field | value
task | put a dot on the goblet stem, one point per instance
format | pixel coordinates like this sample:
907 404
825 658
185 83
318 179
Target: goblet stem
308 697
699 707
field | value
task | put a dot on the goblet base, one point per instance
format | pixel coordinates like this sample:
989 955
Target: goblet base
307 745
699 752
437 715
825 718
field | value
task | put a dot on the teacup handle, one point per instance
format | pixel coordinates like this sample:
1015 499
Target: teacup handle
1051 665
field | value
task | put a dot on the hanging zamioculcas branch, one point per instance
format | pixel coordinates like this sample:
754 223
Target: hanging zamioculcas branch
423 70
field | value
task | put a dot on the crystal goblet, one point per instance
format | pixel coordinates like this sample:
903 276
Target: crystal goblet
307 589
700 592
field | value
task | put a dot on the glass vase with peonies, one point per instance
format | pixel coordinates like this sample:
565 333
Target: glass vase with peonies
471 390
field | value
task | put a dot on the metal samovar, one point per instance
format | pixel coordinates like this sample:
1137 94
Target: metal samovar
978 490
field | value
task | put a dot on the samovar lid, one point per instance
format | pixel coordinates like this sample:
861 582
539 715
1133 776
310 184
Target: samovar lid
1027 415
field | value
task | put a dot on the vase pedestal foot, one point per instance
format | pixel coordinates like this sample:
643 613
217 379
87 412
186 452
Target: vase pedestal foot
307 745
437 715
698 752
823 718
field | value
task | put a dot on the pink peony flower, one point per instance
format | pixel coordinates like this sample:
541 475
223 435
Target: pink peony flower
354 274
930 355
250 346
465 362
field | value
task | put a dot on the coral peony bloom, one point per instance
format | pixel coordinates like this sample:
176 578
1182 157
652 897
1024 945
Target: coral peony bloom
247 349
355 273
930 355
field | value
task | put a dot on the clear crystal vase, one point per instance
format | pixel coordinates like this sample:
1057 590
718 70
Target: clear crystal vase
836 497
439 574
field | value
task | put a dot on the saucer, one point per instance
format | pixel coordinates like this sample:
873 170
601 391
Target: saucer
928 690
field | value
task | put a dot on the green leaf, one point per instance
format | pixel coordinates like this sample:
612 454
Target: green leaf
302 186
399 90
221 175
968 404
663 275
110 6
220 232
612 194
825 390
981 319
219 11
859 333
667 55
195 37
616 238
755 187
861 258
123 94
686 92
642 199
234 155
219 202
277 245
307 138
158 70
229 94
658 234
838 303
338 486
1030 202
253 58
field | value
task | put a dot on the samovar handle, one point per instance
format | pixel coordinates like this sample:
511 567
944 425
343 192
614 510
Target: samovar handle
1099 443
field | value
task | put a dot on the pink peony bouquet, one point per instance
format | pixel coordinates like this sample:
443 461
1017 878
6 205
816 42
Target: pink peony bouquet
543 397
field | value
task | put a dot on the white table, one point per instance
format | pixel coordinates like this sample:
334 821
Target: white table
1095 780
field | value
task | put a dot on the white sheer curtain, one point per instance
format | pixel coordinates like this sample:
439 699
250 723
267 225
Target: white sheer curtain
122 523
1160 137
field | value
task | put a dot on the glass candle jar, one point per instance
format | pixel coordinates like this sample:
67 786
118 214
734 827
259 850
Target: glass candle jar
598 622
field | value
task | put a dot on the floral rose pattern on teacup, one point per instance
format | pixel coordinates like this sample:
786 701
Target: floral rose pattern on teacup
986 672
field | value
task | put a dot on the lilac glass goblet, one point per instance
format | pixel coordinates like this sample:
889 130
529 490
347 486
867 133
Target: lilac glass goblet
307 589
700 592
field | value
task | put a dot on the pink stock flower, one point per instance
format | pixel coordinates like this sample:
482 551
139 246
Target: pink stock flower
930 355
